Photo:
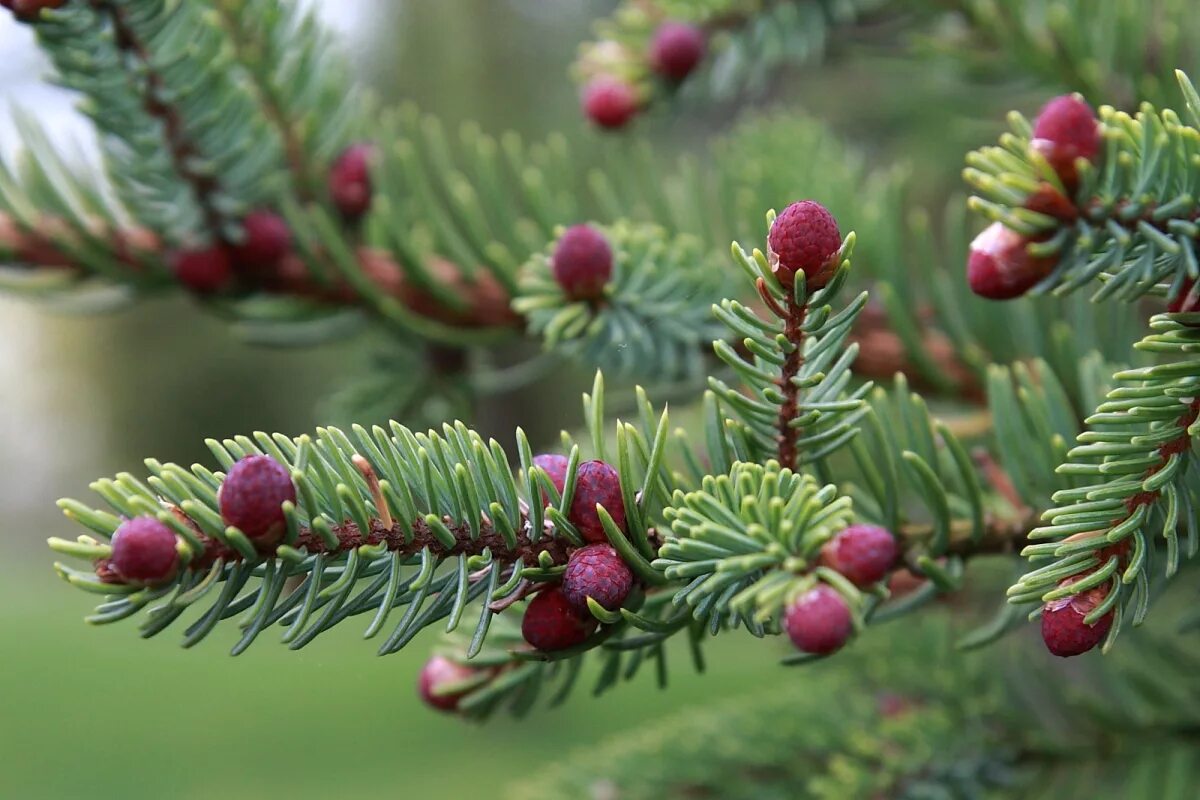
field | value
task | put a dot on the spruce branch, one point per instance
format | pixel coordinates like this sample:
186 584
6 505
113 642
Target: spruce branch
179 146
49 244
488 202
1135 467
1121 215
87 58
801 348
454 218
1126 221
336 533
714 537
405 539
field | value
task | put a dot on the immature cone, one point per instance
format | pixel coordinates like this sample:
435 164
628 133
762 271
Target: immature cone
1067 129
440 672
350 185
676 49
582 262
203 271
267 239
252 496
864 554
596 483
144 550
609 102
1001 267
596 571
551 624
1063 629
819 621
804 238
556 467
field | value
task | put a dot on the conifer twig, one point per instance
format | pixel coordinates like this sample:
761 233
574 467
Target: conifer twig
400 537
487 302
1001 536
178 144
790 408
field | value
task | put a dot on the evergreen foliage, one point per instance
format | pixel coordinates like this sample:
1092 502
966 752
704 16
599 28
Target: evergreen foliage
909 717
800 405
1115 52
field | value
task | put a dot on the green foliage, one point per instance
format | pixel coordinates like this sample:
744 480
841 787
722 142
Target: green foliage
1129 482
1121 52
88 58
480 204
436 526
458 216
794 370
654 318
1133 487
906 716
1134 230
203 119
301 88
793 742
414 529
750 43
743 542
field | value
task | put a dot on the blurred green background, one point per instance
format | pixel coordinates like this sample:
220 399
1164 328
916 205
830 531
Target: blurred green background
100 713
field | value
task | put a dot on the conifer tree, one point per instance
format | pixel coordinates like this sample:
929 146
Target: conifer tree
798 488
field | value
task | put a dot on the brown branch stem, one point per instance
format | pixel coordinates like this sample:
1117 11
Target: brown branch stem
486 301
1010 535
406 539
793 331
179 145
881 352
1001 536
1180 444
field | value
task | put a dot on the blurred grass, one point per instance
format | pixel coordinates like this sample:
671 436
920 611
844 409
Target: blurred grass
102 714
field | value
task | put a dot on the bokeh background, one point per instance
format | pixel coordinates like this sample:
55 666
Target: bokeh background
101 713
